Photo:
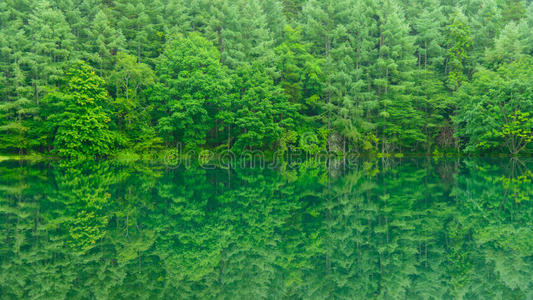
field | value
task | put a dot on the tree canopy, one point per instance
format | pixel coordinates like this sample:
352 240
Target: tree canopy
383 76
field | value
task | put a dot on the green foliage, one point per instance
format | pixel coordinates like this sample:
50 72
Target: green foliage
13 127
386 228
263 112
507 47
76 116
133 110
358 75
193 88
459 43
517 131
494 109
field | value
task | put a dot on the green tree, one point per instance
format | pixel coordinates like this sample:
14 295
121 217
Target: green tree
246 38
508 46
77 118
263 114
428 25
193 86
15 119
486 25
517 131
459 42
513 10
300 71
131 80
140 21
393 72
291 8
104 42
52 48
485 105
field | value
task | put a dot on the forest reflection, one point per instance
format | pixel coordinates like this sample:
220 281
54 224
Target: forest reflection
384 229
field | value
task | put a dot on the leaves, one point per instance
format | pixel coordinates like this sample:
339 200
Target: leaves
248 74
77 117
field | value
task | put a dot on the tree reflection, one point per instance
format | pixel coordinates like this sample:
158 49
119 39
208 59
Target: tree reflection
417 229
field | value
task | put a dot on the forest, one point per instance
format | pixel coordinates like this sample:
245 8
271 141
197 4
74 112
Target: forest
100 78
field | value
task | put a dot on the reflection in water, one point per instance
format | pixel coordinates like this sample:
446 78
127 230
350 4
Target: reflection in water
411 229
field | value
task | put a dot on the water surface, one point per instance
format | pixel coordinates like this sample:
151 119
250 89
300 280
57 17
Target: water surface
375 229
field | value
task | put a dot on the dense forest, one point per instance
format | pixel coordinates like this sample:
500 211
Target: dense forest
93 78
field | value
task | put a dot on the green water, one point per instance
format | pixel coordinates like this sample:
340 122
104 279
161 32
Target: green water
375 229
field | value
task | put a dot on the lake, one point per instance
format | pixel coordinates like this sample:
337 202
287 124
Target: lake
411 228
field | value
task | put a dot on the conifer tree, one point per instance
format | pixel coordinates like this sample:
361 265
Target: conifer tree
486 25
52 48
105 42
300 71
291 8
508 47
247 40
459 42
393 74
321 19
428 24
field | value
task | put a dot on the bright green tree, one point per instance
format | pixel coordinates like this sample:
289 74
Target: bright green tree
76 116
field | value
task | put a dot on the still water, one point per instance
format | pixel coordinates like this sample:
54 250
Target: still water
376 229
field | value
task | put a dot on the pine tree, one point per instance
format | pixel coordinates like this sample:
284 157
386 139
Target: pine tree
246 38
512 10
363 31
14 125
459 42
17 107
177 17
80 15
525 30
300 71
428 24
291 8
105 41
140 23
429 97
274 18
393 73
508 47
320 21
52 47
486 25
